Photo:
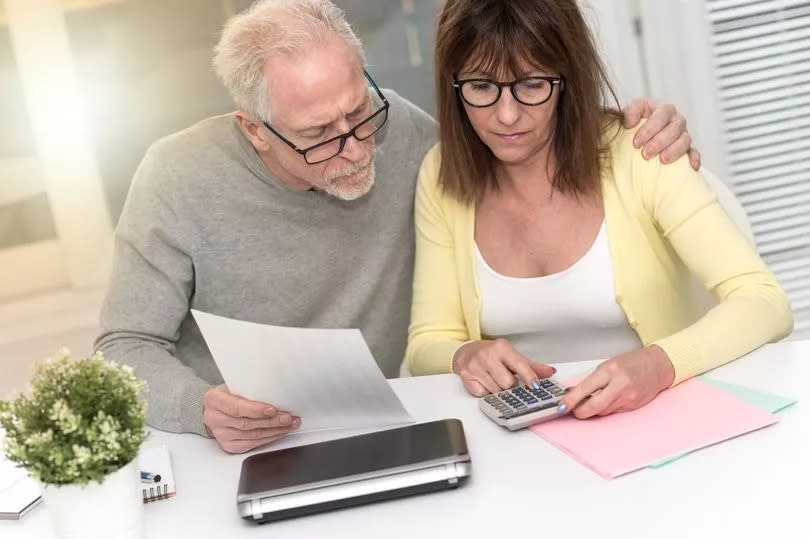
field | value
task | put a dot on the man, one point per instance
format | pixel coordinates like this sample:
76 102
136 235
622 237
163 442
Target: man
296 210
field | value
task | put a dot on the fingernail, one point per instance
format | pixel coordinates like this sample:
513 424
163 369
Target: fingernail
296 423
648 153
285 419
269 411
562 408
553 370
535 384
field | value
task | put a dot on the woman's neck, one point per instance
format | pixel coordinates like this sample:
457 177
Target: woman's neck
530 180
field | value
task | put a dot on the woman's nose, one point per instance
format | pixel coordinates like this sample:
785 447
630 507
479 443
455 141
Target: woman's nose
507 109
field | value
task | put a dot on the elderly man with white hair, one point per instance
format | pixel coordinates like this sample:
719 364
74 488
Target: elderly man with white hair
295 210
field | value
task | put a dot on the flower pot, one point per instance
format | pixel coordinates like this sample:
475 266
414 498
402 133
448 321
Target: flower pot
112 509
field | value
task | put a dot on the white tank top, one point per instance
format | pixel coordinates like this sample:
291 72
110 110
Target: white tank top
567 316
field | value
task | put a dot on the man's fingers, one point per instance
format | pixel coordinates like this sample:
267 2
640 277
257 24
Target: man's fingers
694 158
243 446
215 418
634 112
665 136
232 434
678 148
658 119
593 382
236 406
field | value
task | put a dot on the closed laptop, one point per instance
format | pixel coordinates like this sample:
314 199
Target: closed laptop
350 471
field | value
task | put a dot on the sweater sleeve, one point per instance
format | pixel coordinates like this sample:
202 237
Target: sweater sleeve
753 308
148 298
437 327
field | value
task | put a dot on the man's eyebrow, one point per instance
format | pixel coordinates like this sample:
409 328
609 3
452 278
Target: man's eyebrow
318 127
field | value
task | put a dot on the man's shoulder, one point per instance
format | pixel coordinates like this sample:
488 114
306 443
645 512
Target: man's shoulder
410 131
200 141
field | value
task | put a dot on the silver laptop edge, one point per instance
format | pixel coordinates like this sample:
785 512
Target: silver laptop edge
259 506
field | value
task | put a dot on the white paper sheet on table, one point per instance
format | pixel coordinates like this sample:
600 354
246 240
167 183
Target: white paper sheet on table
328 377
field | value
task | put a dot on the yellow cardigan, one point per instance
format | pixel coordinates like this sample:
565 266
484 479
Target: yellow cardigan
662 222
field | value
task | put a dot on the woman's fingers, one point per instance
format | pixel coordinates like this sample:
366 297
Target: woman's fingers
591 384
600 403
474 387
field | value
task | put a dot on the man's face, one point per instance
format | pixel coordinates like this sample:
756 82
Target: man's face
316 96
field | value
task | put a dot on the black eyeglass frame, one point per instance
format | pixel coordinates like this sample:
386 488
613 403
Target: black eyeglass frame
555 81
344 136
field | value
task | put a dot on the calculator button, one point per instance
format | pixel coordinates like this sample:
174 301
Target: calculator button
545 397
531 401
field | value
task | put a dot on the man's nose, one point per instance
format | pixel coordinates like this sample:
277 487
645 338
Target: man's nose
354 150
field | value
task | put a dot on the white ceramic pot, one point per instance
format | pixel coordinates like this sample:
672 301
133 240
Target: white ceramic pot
112 509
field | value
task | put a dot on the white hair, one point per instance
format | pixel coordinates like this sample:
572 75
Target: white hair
271 27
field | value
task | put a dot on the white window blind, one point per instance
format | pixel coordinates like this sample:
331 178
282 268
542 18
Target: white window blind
761 56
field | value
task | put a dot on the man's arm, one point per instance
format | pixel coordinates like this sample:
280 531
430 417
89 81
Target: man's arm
148 299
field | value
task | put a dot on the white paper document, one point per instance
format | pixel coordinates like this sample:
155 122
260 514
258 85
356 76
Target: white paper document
327 377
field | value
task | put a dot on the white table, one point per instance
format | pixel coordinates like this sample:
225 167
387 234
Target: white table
757 485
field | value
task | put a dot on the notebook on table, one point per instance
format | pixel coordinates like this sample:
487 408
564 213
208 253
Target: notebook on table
156 460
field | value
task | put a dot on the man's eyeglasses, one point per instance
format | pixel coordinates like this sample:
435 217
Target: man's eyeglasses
529 91
323 151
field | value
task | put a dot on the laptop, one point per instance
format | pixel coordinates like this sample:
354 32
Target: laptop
308 479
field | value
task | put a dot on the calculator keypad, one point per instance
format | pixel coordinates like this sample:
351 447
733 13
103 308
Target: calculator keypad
524 399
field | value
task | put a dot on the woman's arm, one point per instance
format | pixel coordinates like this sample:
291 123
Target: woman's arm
437 327
753 308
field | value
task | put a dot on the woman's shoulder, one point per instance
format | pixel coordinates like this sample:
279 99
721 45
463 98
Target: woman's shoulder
429 169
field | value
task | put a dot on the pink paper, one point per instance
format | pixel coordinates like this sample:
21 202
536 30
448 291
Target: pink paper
686 417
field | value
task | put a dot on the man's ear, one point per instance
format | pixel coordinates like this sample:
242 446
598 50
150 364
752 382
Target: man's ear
254 131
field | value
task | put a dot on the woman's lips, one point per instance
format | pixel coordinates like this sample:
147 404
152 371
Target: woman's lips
511 137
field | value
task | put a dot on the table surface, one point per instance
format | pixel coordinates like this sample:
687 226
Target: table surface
755 485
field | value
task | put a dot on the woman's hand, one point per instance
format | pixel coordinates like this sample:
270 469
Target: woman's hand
621 384
490 366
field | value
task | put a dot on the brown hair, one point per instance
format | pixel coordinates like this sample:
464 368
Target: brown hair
498 35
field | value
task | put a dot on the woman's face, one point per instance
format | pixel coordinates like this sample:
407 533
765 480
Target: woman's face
515 132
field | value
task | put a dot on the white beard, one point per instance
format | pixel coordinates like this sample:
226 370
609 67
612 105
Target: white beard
353 181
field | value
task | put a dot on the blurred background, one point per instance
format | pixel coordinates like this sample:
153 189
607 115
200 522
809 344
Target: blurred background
87 85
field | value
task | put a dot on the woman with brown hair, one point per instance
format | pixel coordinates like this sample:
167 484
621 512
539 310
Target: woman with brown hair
544 235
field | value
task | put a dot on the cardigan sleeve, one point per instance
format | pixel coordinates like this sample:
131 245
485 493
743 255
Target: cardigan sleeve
437 326
753 308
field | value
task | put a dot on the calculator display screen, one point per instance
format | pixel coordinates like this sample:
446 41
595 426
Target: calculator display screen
367 453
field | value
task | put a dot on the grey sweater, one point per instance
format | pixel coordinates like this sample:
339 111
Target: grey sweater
206 226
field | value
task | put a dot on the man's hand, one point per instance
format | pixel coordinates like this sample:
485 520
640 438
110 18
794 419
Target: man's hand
239 424
664 132
490 366
621 384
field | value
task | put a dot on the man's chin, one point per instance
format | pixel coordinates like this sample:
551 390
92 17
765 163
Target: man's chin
350 188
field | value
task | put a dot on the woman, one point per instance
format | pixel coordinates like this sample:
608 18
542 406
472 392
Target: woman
542 233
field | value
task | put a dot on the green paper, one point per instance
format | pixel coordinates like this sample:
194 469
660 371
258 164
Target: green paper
767 401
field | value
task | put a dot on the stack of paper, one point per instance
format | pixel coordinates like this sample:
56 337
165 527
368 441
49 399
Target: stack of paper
689 416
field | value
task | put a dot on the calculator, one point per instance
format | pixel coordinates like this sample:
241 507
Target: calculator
522 406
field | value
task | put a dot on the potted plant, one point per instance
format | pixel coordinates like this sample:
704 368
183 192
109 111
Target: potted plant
78 432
